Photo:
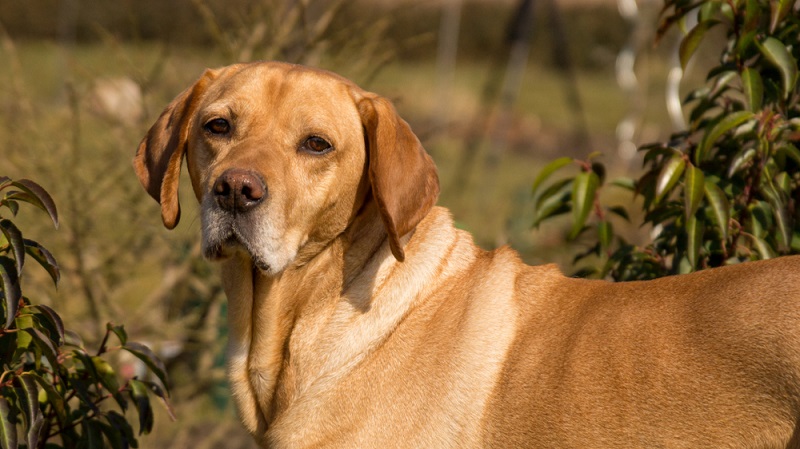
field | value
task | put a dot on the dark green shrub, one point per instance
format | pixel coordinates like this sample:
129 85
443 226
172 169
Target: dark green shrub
54 393
725 190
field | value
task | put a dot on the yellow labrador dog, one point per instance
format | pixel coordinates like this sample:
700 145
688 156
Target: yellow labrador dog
361 318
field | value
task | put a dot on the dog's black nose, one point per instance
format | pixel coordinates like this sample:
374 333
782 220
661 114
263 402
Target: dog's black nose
238 190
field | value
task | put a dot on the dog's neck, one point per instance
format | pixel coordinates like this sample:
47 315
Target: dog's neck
277 347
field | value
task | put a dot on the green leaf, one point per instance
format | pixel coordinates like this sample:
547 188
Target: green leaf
51 317
779 9
693 190
752 16
555 189
35 431
144 354
32 411
605 234
9 284
14 238
39 197
777 54
24 339
745 41
45 259
707 11
12 205
54 398
778 206
92 436
753 88
585 272
669 176
548 170
108 378
119 331
740 160
600 170
761 221
620 212
553 201
692 40
122 428
72 338
625 183
8 430
667 212
783 181
782 218
723 80
696 94
86 379
583 195
763 248
791 151
46 345
162 394
728 123
694 235
31 396
23 321
721 207
142 402
112 435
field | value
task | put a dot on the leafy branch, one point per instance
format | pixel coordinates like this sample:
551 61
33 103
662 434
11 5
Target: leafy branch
725 190
50 385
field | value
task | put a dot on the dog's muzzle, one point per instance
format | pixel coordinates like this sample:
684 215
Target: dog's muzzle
227 223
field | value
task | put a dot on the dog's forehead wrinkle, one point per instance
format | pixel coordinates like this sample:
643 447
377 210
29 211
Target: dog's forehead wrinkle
278 99
223 108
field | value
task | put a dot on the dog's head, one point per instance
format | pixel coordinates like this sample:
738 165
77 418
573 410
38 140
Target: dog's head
281 158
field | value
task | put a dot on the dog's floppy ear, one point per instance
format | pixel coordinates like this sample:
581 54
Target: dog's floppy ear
402 175
158 159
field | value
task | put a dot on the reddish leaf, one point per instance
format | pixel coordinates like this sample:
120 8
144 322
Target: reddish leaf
9 284
45 259
39 198
14 238
8 430
144 354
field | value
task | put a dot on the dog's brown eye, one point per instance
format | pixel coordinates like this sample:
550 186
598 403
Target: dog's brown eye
218 126
317 145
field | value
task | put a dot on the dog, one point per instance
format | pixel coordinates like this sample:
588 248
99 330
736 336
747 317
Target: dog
360 317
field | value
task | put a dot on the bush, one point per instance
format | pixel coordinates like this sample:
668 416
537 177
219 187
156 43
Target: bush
53 392
725 190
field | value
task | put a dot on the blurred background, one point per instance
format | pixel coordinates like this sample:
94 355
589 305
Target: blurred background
493 88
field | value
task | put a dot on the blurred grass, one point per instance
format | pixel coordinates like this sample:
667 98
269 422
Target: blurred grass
540 129
121 265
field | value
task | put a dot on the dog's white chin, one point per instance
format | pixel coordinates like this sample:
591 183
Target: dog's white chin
270 261
271 264
263 241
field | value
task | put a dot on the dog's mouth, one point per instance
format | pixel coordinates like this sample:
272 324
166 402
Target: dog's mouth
233 242
257 235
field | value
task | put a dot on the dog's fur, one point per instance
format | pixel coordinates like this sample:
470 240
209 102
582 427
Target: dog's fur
360 317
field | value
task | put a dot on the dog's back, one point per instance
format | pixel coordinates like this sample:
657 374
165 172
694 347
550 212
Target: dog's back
712 360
